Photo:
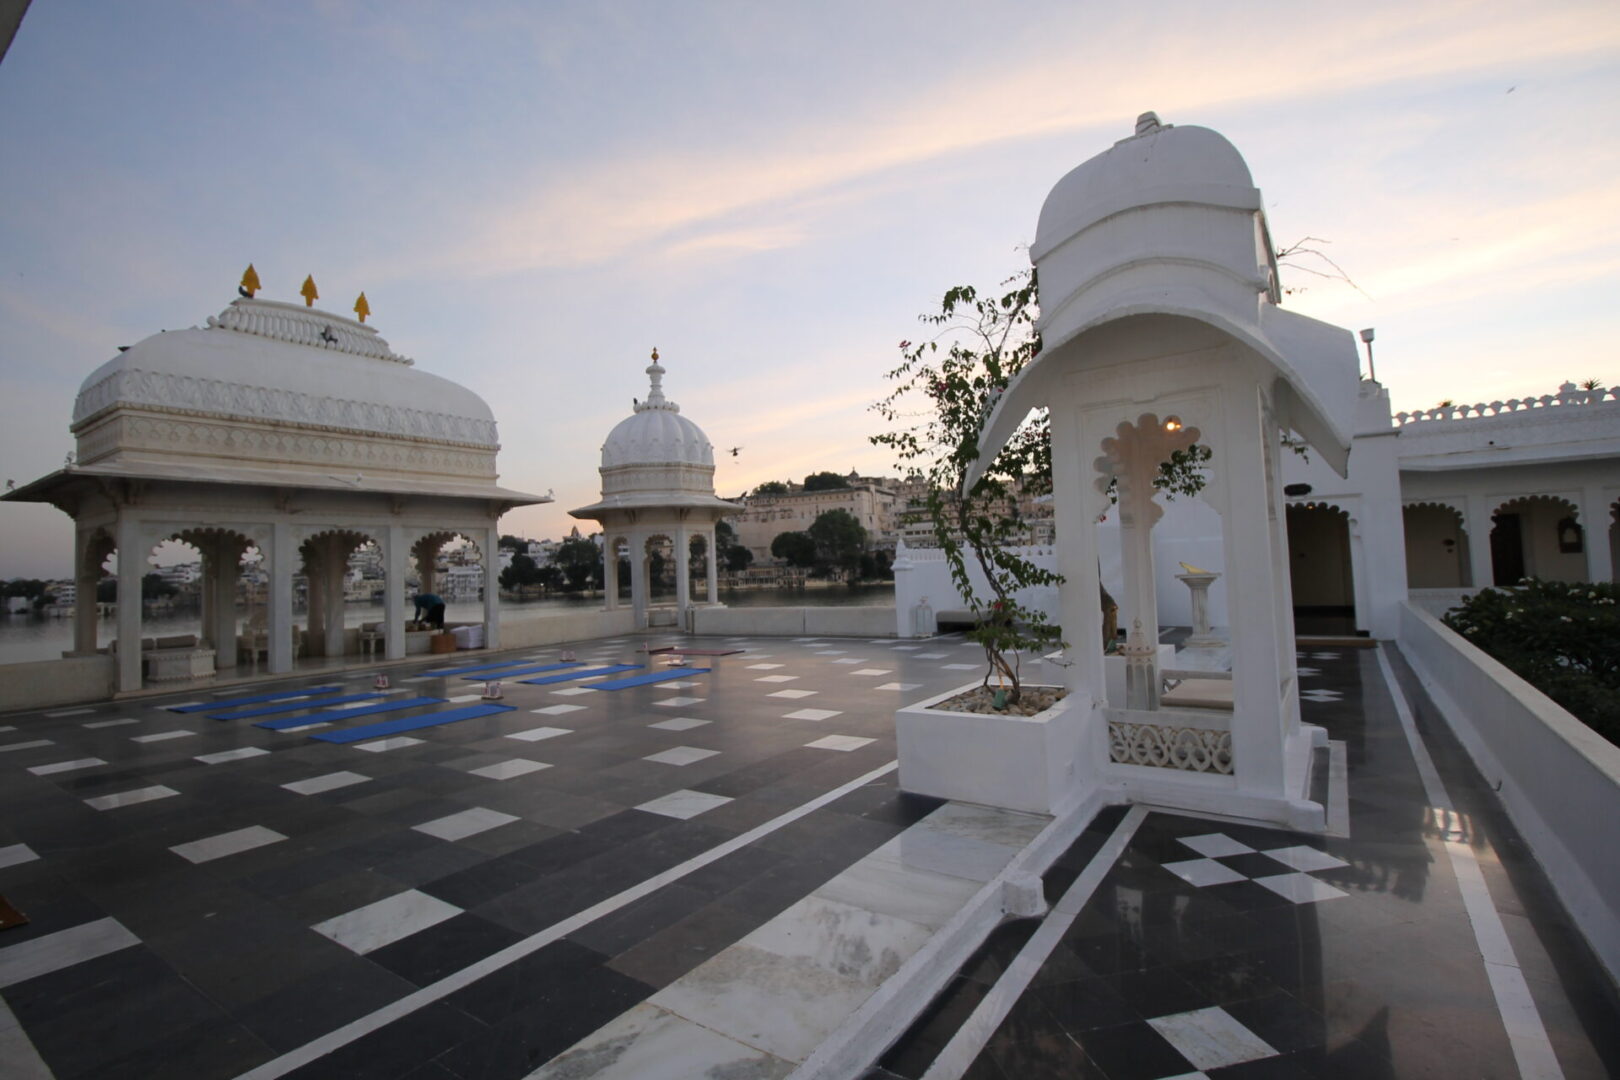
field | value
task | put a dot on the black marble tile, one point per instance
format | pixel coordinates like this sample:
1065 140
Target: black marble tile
672 952
321 1002
916 1049
640 920
989 961
560 980
1030 1042
1133 1052
396 1049
1085 1004
429 955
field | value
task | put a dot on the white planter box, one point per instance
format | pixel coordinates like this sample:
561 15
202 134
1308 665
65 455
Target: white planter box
1023 763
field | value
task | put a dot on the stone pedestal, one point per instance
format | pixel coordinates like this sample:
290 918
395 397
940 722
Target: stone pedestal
1198 584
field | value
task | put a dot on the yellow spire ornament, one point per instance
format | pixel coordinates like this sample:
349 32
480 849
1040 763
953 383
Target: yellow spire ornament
361 308
655 354
250 282
308 291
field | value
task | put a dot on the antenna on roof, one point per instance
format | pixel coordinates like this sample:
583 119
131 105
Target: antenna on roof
1367 340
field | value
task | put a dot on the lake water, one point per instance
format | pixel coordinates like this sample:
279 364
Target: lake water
33 637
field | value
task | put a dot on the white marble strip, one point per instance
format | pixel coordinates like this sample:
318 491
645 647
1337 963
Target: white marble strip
231 755
130 798
471 822
30 745
120 722
17 1050
161 736
1527 1035
970 1039
66 766
427 995
1338 807
8 727
327 782
68 712
53 952
367 929
15 854
210 848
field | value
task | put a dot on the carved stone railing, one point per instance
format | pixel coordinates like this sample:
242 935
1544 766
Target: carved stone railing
1569 394
1169 746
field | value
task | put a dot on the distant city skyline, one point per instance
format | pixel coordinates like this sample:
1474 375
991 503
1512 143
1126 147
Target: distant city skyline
533 197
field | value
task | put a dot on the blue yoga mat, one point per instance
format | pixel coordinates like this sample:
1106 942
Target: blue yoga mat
231 703
652 677
291 706
444 672
515 672
408 723
569 676
342 714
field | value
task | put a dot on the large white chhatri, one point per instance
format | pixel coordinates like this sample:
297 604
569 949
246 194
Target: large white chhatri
1161 329
287 429
657 488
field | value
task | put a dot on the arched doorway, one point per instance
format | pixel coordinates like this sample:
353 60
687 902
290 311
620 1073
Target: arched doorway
1319 569
1537 536
1436 547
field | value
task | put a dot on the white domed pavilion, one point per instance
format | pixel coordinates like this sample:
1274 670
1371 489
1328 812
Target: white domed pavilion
657 487
287 429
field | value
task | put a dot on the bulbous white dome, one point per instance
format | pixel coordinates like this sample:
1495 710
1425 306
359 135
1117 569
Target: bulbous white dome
265 361
656 434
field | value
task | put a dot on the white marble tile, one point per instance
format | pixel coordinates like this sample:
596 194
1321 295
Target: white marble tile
942 853
679 723
506 770
932 655
874 671
849 941
1215 845
680 684
536 734
793 694
649 1043
466 823
783 1006
462 699
839 742
59 713
1010 828
1204 872
53 952
1300 888
680 755
231 843
161 736
960 667
382 923
231 755
326 782
906 648
683 804
813 714
66 766
829 652
1211 1038
176 705
777 678
679 702
30 745
393 742
120 722
13 727
16 854
558 710
886 885
850 660
130 798
1303 857
902 686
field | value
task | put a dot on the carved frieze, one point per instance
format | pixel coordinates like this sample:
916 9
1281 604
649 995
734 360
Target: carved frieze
1158 746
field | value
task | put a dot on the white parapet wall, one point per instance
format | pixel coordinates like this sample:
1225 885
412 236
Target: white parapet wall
573 626
876 621
1560 780
42 684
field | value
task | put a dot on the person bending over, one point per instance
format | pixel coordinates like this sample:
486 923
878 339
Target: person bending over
433 605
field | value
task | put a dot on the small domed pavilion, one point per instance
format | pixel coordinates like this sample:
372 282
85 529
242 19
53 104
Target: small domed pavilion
657 487
284 428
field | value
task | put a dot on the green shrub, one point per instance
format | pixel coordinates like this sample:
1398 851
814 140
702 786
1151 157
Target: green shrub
1564 639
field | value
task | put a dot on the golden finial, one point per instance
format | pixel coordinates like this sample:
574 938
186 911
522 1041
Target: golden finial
308 291
250 281
361 308
655 354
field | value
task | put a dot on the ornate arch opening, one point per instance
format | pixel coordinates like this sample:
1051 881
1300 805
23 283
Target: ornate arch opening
1436 546
1539 536
1320 571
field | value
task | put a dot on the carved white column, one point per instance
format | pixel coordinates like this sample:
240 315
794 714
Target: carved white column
712 577
610 574
492 588
683 573
283 557
1595 518
227 554
639 593
336 566
131 561
1478 522
394 594
85 579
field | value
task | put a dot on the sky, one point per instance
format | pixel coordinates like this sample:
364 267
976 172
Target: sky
533 196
